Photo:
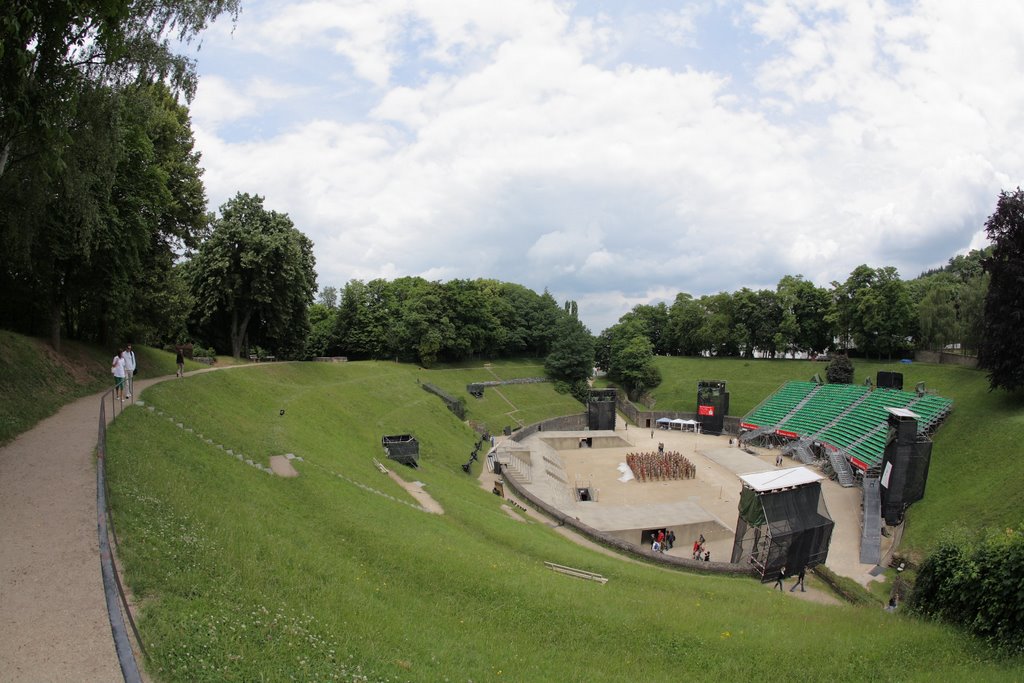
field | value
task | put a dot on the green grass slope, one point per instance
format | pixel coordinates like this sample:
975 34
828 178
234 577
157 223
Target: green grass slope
510 405
35 381
975 479
336 575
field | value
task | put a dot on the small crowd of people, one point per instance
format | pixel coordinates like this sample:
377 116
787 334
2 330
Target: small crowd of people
662 540
123 367
660 466
699 552
799 583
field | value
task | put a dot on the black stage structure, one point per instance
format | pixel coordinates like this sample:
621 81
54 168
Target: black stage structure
601 409
904 465
403 448
783 522
712 405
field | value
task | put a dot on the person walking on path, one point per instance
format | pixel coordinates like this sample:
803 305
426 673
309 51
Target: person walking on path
779 579
800 581
180 360
129 368
671 538
117 369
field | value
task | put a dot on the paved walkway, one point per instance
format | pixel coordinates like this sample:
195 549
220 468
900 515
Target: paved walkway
53 617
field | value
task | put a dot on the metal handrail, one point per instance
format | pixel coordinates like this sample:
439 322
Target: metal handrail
112 588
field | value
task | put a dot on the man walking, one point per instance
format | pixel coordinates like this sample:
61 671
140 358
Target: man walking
780 578
799 581
129 368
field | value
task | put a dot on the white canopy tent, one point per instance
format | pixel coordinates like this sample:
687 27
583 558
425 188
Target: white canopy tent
684 425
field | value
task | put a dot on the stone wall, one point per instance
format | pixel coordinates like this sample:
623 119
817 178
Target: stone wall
566 423
730 425
946 358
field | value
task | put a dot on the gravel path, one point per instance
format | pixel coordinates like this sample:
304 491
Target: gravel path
53 617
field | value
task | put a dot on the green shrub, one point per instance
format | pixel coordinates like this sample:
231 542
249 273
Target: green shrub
978 584
840 370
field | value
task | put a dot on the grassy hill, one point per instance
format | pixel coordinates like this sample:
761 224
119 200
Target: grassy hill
336 575
35 380
975 479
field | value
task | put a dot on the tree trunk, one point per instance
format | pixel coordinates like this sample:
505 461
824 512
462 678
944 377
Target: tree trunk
238 332
5 154
54 325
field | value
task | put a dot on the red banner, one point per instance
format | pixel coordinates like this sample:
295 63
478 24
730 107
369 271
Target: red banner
783 432
705 410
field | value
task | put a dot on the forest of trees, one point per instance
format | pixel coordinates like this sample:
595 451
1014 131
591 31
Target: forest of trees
427 321
872 313
100 186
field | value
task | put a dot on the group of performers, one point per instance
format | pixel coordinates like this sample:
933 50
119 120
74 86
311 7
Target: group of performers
660 466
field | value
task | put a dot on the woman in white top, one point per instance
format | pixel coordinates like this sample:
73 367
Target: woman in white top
117 369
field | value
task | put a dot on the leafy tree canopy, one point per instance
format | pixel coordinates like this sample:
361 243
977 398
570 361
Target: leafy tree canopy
1002 347
572 354
840 370
254 277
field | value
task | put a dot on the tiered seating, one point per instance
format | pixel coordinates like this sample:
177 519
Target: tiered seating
849 417
864 419
932 409
775 408
826 404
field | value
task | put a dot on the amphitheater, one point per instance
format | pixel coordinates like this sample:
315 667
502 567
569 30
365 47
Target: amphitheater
561 466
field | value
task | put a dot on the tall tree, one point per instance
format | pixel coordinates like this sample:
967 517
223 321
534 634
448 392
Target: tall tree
937 314
629 354
719 334
73 127
685 317
572 354
255 272
1002 346
873 311
633 366
806 313
49 49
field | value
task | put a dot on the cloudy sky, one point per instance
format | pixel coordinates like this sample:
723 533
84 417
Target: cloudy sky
617 152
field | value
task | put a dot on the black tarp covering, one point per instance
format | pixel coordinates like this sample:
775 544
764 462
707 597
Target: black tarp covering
793 531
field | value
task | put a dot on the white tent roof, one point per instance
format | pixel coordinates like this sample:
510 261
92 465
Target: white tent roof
779 479
663 420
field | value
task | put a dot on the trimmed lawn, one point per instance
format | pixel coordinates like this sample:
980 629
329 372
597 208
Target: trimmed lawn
336 575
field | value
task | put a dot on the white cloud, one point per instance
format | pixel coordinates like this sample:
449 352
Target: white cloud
218 102
501 141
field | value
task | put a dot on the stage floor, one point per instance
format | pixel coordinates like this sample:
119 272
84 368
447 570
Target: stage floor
710 499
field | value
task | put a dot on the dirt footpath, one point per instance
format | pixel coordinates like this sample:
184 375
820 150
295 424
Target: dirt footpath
53 617
53 614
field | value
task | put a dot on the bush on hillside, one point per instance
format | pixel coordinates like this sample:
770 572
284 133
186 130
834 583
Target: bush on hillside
976 583
840 370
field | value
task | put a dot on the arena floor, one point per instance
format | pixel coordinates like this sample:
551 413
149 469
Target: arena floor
706 504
